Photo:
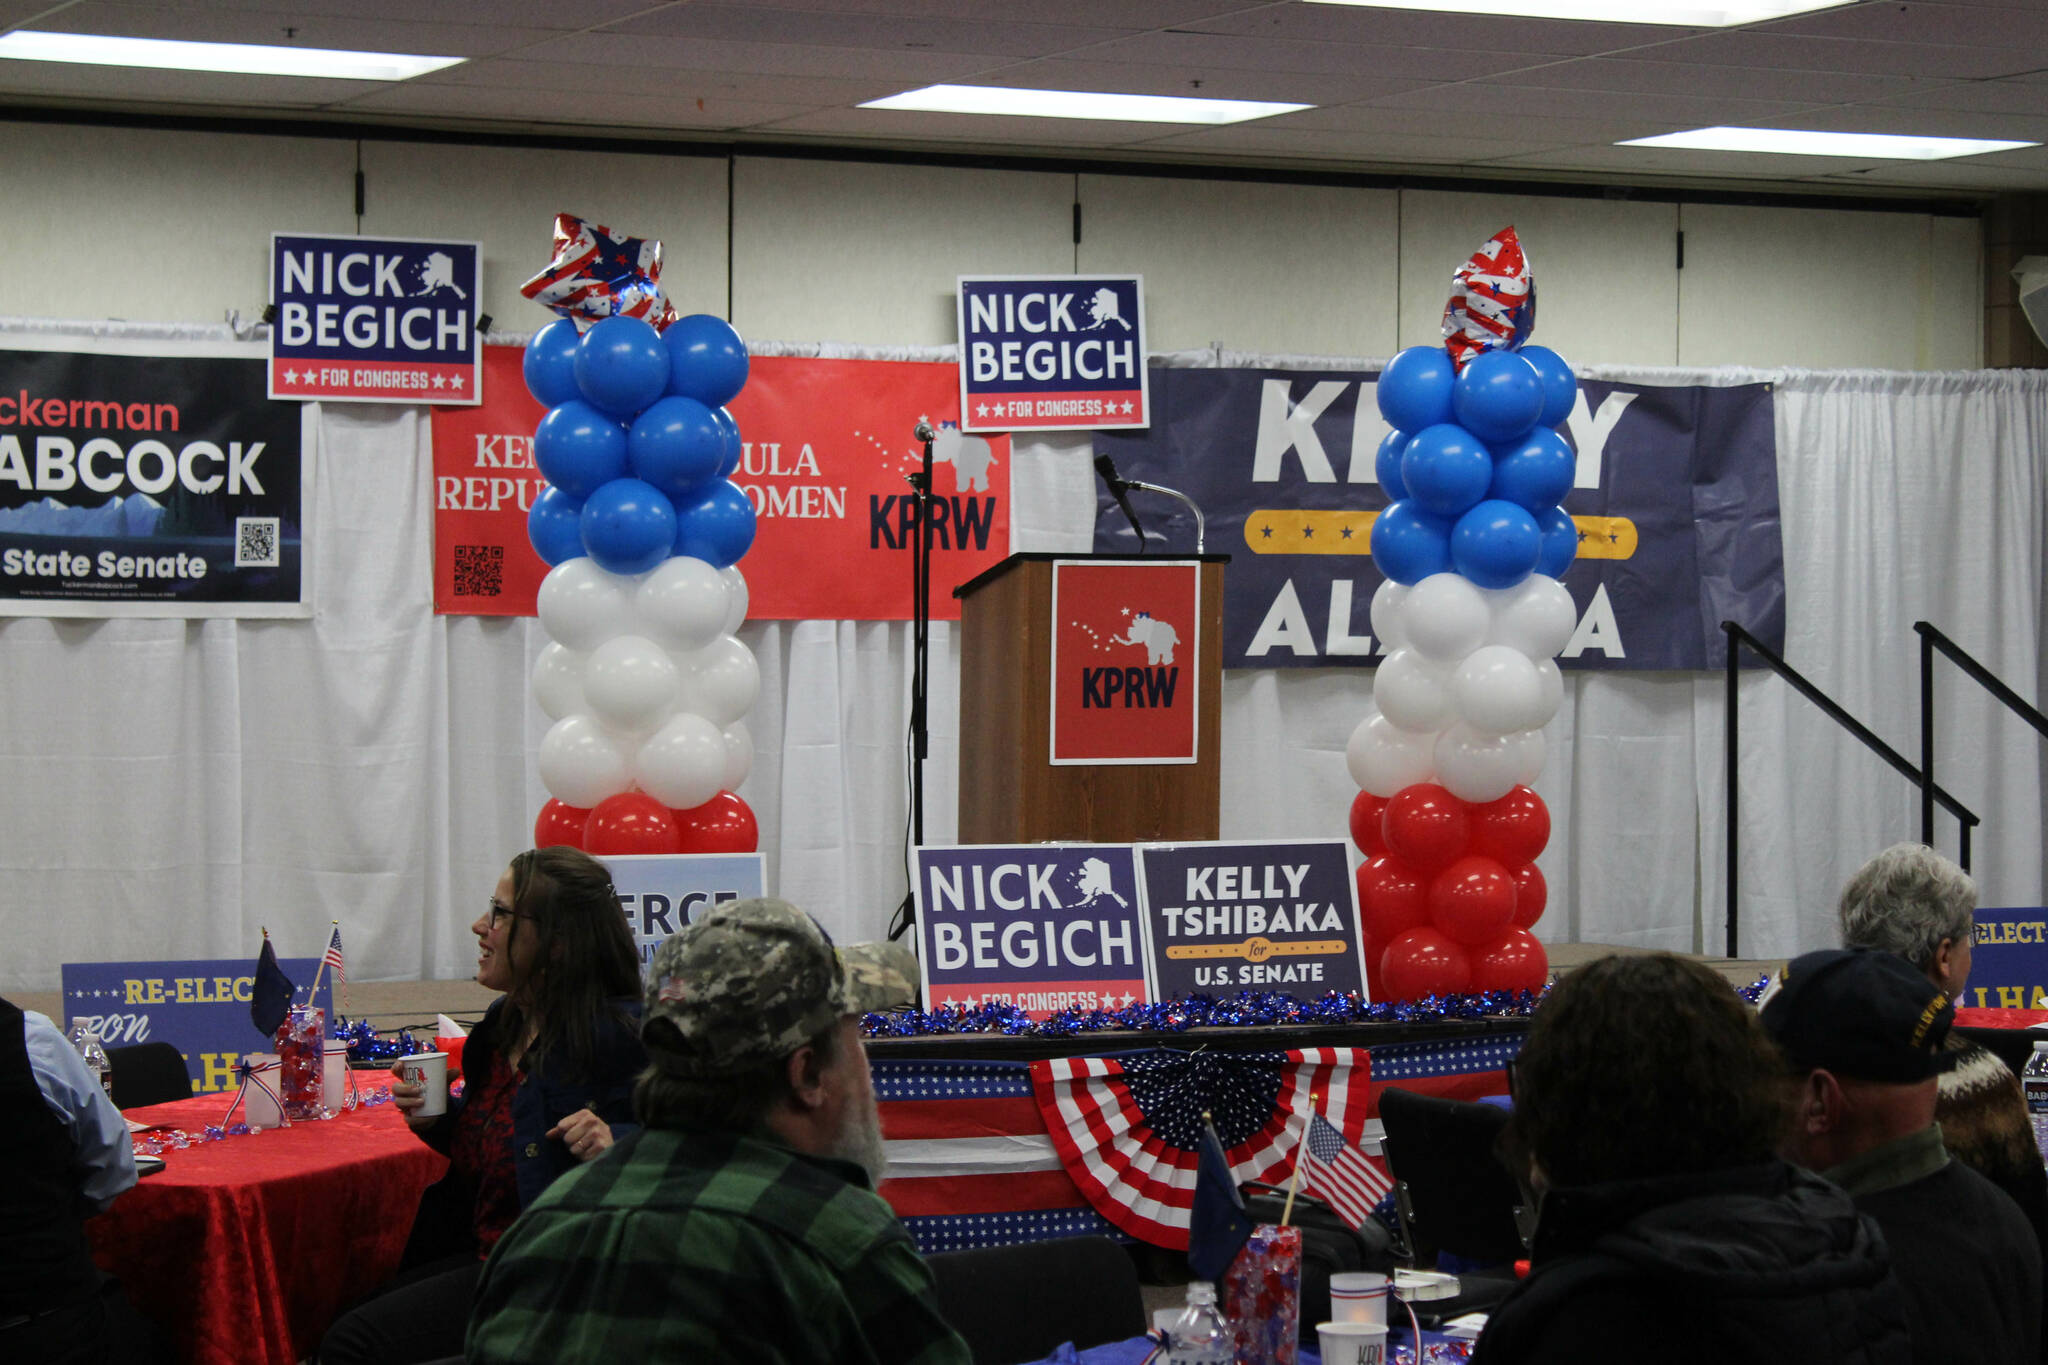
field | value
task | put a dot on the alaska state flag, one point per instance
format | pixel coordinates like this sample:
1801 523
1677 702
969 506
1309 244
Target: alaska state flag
270 998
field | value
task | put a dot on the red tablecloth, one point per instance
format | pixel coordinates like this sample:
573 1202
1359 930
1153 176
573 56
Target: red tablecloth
245 1249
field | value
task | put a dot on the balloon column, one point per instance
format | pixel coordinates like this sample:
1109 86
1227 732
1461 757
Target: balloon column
1472 616
646 684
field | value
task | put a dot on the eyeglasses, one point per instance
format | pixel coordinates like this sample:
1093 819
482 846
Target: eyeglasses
500 913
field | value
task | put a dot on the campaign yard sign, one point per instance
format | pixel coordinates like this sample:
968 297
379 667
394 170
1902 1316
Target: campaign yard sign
2009 960
1253 915
1125 649
374 320
200 1007
662 893
1044 927
1052 352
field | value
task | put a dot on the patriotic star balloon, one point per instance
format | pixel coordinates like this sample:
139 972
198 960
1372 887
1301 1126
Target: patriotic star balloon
597 273
1493 300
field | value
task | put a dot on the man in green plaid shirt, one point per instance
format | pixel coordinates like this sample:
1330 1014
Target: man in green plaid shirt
741 1222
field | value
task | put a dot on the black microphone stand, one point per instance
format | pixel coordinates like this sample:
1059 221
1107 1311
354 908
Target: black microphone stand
920 661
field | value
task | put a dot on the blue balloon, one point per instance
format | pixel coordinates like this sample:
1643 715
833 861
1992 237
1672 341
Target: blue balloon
621 365
1560 385
1498 396
553 525
707 360
550 363
628 526
1535 472
677 445
1446 470
1415 388
1409 544
577 448
1560 541
717 526
734 447
1387 465
1496 544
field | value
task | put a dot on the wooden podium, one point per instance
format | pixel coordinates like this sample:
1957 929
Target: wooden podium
1010 791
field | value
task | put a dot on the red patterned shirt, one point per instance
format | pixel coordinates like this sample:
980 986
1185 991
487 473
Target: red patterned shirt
482 1151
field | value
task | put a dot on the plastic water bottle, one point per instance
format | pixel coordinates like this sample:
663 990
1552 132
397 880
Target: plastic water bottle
1199 1335
2034 1080
87 1041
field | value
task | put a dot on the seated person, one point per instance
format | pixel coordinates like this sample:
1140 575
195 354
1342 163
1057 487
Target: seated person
1648 1110
66 1153
548 1085
1863 1033
741 1222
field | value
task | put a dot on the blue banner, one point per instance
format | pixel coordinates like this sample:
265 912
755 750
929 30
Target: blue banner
1053 352
1227 917
374 320
1676 500
2009 960
202 1008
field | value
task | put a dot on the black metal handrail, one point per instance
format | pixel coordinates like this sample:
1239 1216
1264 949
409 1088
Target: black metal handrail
1932 639
1739 639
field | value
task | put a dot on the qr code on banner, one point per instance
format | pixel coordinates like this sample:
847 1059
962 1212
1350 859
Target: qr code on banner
479 570
256 543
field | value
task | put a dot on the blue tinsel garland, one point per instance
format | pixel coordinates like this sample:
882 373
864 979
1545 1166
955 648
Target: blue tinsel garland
1246 1009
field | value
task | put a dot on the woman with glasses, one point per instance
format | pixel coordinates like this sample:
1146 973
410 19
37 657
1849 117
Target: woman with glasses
548 1082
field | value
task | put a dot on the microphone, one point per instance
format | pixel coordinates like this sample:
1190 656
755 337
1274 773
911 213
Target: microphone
1106 467
923 430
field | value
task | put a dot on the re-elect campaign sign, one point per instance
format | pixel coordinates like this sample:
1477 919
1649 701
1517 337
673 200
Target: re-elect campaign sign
1126 646
1052 353
1044 927
1228 917
2009 961
149 479
201 1008
1675 497
373 319
662 893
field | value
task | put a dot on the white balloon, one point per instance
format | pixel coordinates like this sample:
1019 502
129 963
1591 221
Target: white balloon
1445 617
724 680
1497 691
683 764
580 764
632 683
1388 622
682 605
1531 748
739 754
1412 692
1384 758
1535 616
1476 767
582 606
1551 679
558 680
735 597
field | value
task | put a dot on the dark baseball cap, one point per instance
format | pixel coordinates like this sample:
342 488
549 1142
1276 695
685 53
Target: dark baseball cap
1860 1013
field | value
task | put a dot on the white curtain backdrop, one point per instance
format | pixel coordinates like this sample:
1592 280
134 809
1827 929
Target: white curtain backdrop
168 787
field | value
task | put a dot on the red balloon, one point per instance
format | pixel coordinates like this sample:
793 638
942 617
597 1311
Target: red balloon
560 823
1426 826
1472 900
1516 962
1513 829
1392 899
724 824
1366 810
1424 962
631 822
1531 892
1375 986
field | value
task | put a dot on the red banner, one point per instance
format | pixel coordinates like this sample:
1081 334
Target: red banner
1125 659
828 446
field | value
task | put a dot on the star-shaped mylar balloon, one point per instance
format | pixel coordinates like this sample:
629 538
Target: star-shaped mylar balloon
1493 300
597 273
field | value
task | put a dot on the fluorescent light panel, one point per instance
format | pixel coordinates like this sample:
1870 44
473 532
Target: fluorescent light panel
1800 142
1688 13
1079 104
245 59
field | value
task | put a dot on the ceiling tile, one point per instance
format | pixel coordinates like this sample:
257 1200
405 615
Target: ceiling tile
905 125
774 59
1198 50
2017 95
1891 118
1788 51
1130 78
608 109
1127 15
1478 128
654 80
1634 76
540 14
1949 175
914 33
1511 102
1364 149
2012 27
1425 28
1674 161
306 30
127 86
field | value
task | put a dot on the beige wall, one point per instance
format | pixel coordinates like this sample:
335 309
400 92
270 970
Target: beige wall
178 224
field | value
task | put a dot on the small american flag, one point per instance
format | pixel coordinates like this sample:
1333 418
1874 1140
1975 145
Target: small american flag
1340 1173
333 957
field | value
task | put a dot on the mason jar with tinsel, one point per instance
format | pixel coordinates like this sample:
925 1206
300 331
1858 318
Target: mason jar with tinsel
300 1044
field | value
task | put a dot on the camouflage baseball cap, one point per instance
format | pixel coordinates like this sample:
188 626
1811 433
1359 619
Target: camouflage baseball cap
752 981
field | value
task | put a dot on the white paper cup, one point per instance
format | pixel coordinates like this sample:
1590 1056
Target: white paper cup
428 1071
260 1100
334 1074
1352 1343
1359 1296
